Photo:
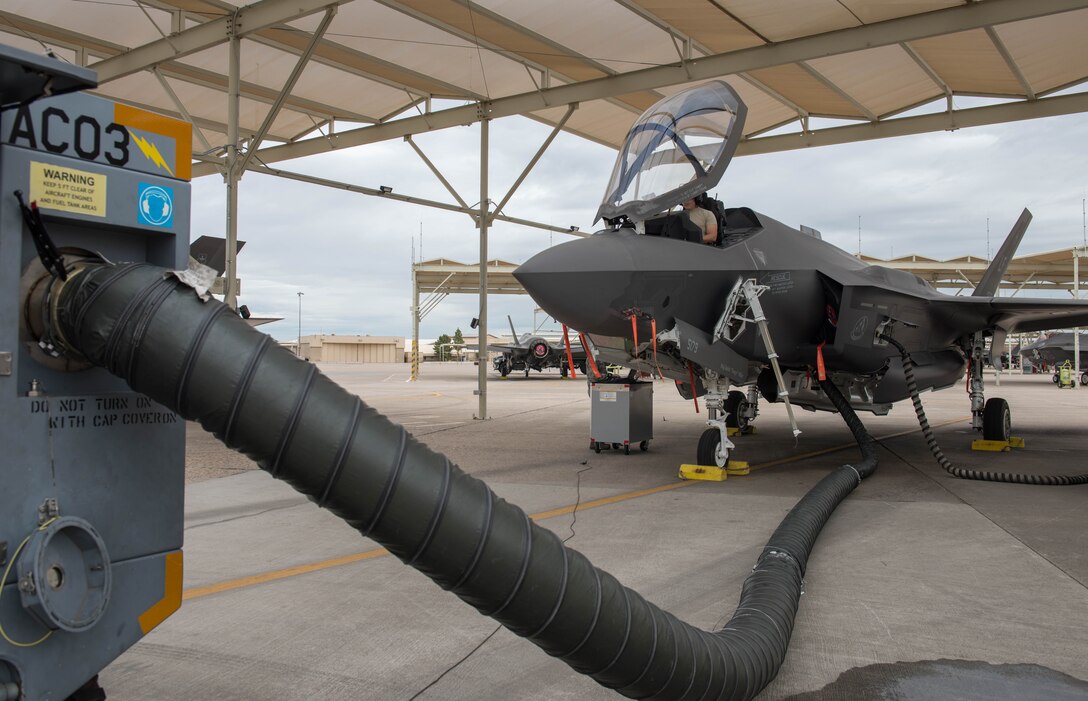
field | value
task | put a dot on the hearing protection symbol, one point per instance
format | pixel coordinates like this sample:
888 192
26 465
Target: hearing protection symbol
155 205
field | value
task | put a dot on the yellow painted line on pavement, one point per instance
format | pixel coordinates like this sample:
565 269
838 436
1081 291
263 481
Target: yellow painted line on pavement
286 573
264 577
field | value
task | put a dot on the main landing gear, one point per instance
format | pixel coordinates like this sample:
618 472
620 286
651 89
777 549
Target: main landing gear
990 416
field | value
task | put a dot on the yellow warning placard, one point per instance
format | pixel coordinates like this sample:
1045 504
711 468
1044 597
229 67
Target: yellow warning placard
68 189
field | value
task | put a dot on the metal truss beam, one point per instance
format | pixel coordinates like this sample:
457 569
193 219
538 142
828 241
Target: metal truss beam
588 66
244 20
941 121
173 69
337 185
939 22
288 86
1010 62
536 158
197 131
437 173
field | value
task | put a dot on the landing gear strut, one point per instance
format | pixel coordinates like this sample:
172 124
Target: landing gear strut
991 417
714 444
725 410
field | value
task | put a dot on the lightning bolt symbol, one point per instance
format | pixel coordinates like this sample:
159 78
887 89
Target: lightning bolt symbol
151 152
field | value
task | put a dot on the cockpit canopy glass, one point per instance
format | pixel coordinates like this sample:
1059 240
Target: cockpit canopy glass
678 149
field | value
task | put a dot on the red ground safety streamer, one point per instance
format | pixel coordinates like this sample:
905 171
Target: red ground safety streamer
653 330
820 371
570 356
634 332
691 375
589 356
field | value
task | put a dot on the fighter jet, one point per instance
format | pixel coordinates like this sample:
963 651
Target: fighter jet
766 308
1056 348
533 352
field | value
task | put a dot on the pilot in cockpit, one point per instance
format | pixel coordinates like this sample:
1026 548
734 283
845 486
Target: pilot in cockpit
703 219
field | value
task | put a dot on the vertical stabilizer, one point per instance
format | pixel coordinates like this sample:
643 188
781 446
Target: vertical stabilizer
513 332
992 278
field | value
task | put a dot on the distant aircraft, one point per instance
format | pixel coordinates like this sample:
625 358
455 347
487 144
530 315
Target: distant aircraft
534 352
1056 348
767 307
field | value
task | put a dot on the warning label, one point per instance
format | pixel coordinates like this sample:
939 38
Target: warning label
68 189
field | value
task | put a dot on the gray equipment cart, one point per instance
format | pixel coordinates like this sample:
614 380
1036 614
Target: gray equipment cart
622 414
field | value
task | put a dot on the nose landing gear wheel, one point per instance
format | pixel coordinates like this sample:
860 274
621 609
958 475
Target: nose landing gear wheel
996 420
709 452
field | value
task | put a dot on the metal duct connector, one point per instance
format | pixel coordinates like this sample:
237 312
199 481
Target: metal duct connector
208 365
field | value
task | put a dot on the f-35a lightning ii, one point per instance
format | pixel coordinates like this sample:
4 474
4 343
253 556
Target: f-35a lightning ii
767 307
532 352
1057 348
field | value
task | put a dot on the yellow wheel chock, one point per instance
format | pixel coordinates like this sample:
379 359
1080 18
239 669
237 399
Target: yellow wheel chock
713 474
997 446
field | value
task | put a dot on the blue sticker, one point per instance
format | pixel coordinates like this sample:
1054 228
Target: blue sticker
155 205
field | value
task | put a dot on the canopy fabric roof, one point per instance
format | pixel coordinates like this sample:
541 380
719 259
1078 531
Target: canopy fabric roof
1048 270
444 276
379 69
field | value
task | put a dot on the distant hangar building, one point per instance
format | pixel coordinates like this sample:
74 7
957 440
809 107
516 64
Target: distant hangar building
331 348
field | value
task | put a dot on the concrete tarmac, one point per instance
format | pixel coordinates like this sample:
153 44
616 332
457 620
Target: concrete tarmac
922 586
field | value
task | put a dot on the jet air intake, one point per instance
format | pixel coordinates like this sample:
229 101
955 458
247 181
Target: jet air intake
204 362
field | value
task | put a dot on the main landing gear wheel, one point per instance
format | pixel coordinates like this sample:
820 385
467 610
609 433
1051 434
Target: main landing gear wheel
562 370
996 420
736 404
504 369
709 452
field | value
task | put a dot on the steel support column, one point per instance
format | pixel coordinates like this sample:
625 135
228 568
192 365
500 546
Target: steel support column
230 294
1078 253
415 325
481 375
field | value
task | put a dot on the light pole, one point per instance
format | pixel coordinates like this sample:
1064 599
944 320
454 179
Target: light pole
298 346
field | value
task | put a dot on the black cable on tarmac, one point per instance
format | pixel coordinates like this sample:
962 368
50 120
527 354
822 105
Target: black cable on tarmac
962 472
208 365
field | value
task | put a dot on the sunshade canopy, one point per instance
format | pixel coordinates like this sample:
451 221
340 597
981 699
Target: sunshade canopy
376 68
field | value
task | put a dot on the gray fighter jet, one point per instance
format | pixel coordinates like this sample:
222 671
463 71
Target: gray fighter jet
531 352
1056 348
768 307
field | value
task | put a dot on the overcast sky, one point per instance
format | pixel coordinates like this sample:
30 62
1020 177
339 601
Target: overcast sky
350 254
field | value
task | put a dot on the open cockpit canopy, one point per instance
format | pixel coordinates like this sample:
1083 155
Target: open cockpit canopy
677 150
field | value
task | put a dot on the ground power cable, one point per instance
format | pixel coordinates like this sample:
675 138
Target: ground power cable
961 472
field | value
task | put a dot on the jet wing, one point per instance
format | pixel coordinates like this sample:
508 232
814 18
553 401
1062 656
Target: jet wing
509 348
1025 314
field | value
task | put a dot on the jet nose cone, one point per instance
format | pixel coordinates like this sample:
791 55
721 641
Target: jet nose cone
579 282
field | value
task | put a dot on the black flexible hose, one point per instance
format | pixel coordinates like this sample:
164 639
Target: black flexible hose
962 472
208 365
